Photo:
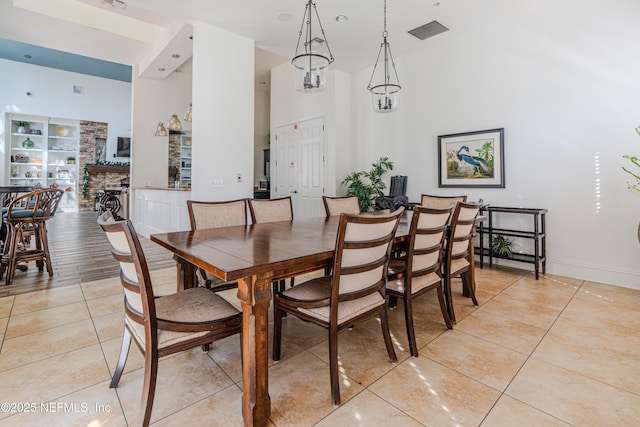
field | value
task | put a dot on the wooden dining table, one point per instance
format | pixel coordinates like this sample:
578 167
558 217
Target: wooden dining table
256 255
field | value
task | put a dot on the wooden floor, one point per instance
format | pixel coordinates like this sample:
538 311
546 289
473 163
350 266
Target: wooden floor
79 254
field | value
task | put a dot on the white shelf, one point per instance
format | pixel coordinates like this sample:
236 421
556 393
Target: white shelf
42 152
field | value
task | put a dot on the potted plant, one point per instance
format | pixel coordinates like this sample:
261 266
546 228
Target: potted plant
368 185
22 127
501 246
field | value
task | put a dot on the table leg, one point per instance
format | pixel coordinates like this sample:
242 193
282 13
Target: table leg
186 273
255 295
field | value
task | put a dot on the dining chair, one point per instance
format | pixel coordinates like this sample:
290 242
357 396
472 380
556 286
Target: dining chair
272 210
355 291
459 252
26 216
440 201
423 270
204 215
165 325
338 205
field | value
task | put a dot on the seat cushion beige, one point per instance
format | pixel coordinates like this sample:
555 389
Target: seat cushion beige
319 289
458 264
191 306
418 283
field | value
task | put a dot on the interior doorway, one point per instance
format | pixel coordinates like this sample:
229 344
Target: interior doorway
299 166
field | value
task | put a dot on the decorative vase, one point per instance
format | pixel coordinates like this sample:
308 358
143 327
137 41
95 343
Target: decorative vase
21 129
28 143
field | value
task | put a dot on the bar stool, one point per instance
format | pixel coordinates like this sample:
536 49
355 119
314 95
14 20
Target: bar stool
26 216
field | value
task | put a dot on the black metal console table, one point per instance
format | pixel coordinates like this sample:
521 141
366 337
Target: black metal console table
538 235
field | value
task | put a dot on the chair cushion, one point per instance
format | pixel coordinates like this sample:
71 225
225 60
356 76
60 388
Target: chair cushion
194 305
319 289
418 283
458 264
190 306
22 213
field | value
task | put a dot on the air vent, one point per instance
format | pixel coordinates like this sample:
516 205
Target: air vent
431 29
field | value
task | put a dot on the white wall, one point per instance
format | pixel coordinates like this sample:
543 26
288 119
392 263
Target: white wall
261 122
563 82
289 106
155 101
223 110
103 100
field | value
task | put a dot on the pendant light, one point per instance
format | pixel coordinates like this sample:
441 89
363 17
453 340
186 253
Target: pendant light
385 92
187 115
311 60
174 123
161 130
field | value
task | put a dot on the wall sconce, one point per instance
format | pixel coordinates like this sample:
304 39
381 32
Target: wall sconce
161 130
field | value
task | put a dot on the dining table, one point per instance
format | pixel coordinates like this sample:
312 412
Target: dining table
256 255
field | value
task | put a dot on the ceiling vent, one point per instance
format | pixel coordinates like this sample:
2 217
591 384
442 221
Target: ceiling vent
431 29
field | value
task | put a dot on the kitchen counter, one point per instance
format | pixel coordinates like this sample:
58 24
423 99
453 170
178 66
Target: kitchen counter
160 210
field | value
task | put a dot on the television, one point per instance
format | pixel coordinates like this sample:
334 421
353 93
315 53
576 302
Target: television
124 147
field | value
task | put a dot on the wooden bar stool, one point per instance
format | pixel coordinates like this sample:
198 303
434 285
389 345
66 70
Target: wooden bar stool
26 216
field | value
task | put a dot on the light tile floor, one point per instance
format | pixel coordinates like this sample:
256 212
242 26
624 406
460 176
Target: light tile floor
551 352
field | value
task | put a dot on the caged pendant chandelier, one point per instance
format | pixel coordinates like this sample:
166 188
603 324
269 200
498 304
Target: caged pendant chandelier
311 60
385 92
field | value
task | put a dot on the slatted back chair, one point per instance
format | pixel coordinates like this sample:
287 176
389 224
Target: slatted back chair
355 291
164 325
203 215
424 264
459 251
271 210
440 201
338 205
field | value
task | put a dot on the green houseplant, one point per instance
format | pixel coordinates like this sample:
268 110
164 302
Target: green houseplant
22 127
368 185
635 164
501 246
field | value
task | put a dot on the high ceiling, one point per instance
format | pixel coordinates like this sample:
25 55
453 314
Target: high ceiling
145 31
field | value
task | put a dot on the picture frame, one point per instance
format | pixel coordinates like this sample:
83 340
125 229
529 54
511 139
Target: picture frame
471 159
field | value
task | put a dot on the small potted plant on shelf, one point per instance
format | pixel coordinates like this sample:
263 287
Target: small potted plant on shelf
71 160
501 246
22 127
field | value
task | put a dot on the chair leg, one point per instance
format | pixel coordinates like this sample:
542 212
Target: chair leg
333 364
449 298
277 329
292 283
124 352
408 320
45 247
393 301
205 347
384 323
468 286
149 385
443 308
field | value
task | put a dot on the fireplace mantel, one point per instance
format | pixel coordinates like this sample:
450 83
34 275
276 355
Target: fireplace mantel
107 169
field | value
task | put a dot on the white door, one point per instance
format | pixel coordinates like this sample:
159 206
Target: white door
300 166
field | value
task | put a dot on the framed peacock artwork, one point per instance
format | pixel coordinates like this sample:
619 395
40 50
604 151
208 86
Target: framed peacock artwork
471 159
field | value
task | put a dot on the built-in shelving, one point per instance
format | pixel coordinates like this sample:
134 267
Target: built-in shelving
185 159
43 154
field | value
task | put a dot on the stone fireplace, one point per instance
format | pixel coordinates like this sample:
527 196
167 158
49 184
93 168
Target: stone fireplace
100 177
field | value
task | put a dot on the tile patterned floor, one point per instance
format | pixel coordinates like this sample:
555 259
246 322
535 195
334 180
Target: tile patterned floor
552 352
